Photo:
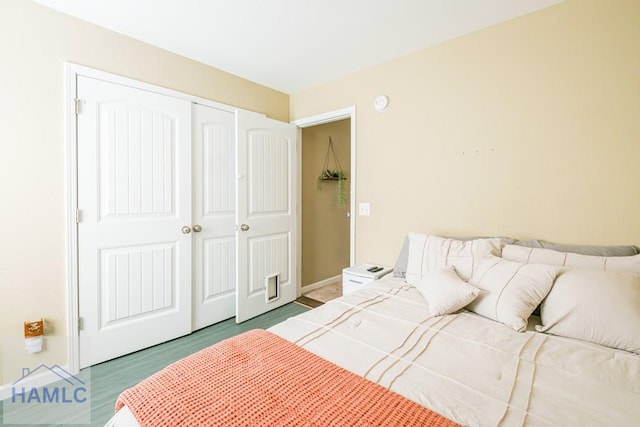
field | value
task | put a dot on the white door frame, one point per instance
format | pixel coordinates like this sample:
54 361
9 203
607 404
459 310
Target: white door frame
331 116
72 71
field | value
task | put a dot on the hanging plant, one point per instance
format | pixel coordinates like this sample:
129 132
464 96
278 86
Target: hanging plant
335 174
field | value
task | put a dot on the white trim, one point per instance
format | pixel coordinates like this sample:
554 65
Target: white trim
331 116
328 117
321 284
37 380
80 70
299 215
72 71
71 196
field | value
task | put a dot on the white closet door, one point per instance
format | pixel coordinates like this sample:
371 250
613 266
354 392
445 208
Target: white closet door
266 214
214 193
134 197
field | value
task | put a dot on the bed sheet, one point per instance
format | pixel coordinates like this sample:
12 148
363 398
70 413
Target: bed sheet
470 369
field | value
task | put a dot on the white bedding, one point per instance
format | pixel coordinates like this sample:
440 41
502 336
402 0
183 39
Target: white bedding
472 370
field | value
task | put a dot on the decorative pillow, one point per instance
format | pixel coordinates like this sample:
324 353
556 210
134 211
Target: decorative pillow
510 291
429 253
597 306
445 291
570 260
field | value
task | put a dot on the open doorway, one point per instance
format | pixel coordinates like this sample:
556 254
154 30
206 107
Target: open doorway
326 151
327 226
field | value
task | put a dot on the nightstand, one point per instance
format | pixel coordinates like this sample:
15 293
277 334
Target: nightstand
356 277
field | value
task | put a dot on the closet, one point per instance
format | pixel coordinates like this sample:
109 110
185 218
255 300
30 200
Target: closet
186 216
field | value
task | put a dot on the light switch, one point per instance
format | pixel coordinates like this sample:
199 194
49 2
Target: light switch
364 209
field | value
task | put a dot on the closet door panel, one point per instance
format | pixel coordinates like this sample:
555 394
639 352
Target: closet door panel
267 173
214 191
134 197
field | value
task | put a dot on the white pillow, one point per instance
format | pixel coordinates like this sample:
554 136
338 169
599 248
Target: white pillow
570 260
597 306
510 291
445 291
429 253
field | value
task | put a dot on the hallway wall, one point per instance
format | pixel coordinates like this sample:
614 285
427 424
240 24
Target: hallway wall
325 225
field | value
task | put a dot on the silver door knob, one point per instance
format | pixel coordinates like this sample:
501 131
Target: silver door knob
244 227
197 228
186 229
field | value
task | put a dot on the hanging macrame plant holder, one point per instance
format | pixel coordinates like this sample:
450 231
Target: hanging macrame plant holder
335 174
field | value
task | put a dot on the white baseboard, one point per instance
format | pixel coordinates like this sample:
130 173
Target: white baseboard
321 284
40 379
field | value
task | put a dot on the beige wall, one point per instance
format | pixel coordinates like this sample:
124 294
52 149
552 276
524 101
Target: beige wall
529 129
325 225
35 41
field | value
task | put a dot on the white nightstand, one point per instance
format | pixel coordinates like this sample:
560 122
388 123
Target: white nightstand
356 277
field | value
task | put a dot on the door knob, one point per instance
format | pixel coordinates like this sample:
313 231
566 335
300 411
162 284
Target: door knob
197 228
186 229
244 227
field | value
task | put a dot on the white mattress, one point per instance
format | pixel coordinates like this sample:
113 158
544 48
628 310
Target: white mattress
472 370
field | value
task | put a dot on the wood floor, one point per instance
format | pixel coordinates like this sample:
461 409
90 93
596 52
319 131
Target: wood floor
110 378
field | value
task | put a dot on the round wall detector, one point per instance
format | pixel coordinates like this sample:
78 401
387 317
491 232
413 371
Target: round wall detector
380 103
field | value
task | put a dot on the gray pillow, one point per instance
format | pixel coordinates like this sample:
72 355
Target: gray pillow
400 269
626 250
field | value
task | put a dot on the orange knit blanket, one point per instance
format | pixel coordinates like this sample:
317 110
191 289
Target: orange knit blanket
261 379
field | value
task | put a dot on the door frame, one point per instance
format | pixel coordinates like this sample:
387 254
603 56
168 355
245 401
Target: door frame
320 119
71 73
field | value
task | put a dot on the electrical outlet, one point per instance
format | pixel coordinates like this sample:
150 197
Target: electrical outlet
364 209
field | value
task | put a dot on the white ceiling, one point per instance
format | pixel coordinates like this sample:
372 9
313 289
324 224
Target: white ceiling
292 45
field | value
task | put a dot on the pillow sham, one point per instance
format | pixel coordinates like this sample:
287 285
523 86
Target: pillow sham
602 307
445 291
570 260
510 291
400 267
429 253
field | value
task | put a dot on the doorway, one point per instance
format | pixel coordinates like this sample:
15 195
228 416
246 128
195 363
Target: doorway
327 225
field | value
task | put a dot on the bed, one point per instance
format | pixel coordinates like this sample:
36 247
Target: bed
481 367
